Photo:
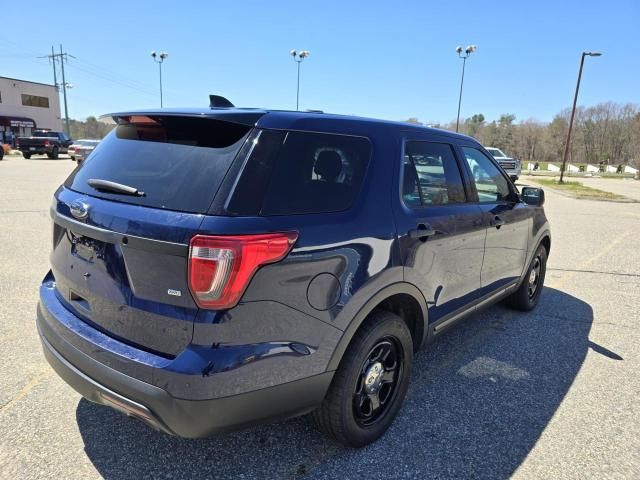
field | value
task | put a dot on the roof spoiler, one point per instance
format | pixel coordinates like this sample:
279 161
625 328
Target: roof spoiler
216 101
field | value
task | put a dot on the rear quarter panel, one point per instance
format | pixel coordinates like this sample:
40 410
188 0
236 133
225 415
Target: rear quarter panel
338 263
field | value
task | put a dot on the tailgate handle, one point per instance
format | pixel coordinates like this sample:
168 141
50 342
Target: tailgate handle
79 301
423 232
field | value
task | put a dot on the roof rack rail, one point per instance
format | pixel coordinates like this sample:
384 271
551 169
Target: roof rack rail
314 111
216 101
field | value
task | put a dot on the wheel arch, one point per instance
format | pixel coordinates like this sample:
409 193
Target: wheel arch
543 238
546 241
403 299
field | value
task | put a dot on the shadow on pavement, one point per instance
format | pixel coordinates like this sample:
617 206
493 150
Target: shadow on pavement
480 398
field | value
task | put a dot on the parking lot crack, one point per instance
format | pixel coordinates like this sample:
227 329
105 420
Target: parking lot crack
578 320
621 274
35 381
23 211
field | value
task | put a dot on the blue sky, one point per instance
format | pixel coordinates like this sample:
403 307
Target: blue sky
386 59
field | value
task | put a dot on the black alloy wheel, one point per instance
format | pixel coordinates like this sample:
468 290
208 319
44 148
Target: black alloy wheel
526 297
534 277
370 384
376 384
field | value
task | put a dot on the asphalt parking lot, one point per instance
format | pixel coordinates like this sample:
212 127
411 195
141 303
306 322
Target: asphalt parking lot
549 394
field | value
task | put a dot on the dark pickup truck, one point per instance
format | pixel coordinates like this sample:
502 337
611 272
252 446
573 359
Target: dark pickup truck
44 141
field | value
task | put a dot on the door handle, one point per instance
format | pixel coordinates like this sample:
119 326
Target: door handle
423 232
497 222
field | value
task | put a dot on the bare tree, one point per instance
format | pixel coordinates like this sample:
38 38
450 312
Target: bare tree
607 132
529 135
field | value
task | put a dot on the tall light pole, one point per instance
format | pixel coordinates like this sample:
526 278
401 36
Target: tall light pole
573 112
159 59
298 57
463 54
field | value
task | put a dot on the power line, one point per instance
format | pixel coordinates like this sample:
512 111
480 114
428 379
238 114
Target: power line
112 76
11 42
112 79
105 71
78 65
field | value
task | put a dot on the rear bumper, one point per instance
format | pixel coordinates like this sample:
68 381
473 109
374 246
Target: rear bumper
175 396
185 418
36 150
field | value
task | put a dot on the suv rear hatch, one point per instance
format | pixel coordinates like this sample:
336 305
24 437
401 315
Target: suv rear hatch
120 255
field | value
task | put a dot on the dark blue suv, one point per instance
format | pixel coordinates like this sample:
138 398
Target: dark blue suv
220 267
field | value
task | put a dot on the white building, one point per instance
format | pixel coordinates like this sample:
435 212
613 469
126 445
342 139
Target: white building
592 168
27 105
552 168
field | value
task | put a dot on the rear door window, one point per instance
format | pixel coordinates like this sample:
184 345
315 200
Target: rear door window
430 175
178 162
291 173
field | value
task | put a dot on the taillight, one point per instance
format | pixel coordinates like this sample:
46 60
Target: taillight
221 267
46 143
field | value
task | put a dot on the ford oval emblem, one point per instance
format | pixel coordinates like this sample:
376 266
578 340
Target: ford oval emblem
79 209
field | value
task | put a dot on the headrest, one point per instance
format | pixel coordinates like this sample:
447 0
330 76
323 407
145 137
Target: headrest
328 165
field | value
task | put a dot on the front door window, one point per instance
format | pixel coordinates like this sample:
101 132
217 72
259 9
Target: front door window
491 184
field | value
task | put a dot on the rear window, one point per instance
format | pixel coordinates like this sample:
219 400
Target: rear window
45 133
178 162
291 173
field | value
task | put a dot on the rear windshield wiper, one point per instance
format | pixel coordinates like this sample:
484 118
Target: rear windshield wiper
113 187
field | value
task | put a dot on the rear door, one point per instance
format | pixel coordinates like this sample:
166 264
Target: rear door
439 229
120 260
507 221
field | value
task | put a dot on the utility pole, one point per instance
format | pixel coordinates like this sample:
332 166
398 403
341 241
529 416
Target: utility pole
64 92
62 58
53 62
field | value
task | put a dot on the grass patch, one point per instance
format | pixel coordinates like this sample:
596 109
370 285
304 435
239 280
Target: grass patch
578 190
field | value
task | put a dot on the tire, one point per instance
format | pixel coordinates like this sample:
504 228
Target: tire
528 294
347 413
54 154
26 155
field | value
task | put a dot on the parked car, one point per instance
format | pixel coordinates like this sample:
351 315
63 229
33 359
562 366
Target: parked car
44 142
510 165
217 268
81 149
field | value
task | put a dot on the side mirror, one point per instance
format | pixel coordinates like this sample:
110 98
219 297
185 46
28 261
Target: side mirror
533 196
